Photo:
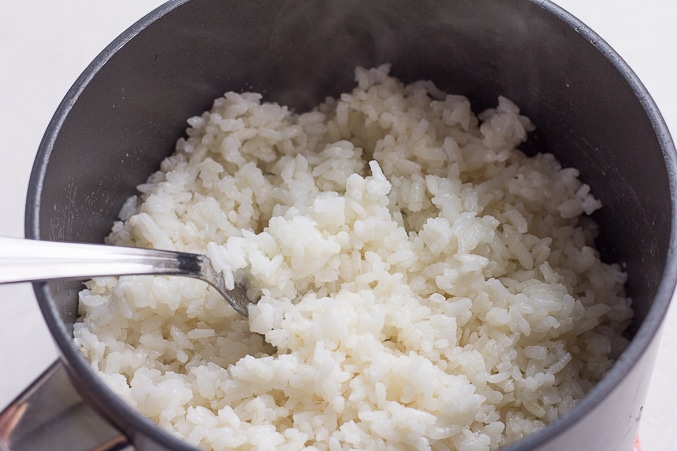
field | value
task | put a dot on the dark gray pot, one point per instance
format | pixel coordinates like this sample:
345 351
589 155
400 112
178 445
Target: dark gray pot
124 114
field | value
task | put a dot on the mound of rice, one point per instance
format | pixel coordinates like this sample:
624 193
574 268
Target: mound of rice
423 284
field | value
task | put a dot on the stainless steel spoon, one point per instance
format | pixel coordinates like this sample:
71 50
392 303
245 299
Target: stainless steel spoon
23 260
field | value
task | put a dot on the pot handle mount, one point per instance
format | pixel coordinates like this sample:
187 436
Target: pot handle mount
50 414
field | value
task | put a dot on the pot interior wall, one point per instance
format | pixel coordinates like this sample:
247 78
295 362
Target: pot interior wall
115 128
128 117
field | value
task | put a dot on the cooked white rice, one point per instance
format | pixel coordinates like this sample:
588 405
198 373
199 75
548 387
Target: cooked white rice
424 285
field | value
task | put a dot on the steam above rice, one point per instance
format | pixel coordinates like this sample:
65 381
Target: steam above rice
422 283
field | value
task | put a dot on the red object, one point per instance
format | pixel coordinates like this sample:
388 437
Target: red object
638 445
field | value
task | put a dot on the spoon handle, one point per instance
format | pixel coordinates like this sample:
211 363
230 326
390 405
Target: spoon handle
23 260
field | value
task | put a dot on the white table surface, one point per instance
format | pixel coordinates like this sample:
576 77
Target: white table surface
45 45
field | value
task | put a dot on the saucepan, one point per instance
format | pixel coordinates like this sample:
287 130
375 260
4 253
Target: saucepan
127 110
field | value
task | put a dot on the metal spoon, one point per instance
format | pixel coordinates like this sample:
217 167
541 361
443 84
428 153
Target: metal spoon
23 260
